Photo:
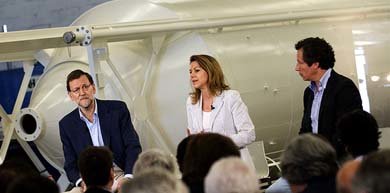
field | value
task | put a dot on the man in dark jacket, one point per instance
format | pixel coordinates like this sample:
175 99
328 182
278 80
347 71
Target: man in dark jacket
329 95
96 123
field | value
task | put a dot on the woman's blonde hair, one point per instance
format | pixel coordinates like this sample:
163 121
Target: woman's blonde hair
216 79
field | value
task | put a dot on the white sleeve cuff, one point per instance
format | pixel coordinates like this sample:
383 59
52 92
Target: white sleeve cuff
78 182
129 176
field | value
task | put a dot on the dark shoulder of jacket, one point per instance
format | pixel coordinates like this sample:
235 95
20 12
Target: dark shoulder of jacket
111 104
339 77
307 93
343 80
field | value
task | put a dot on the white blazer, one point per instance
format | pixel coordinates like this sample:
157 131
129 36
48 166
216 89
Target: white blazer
229 117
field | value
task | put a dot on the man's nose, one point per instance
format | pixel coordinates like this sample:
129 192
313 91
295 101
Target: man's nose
82 91
296 67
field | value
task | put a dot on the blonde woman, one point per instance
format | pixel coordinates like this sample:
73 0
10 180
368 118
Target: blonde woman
213 107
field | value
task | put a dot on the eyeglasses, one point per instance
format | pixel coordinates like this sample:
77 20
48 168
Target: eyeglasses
84 87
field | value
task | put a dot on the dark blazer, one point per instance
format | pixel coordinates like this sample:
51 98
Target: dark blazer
96 190
117 132
340 96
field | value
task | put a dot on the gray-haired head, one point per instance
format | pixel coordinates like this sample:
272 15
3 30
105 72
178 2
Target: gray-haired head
156 158
373 175
306 157
154 180
229 175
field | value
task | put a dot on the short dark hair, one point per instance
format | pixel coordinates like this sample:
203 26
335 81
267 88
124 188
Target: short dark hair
95 164
203 150
76 74
359 132
13 169
317 50
33 184
181 150
373 173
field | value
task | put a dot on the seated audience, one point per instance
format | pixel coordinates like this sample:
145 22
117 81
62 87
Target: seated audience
309 165
358 132
181 150
155 180
96 169
229 175
345 176
155 158
372 176
11 170
202 151
33 184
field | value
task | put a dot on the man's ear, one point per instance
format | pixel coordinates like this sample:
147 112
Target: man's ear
71 96
297 188
316 65
93 89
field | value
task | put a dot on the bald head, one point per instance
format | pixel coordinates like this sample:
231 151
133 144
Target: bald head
345 175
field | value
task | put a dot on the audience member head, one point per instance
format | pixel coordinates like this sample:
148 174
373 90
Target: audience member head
231 175
307 158
358 131
33 184
202 151
11 170
155 180
155 158
317 50
95 165
345 176
181 150
372 175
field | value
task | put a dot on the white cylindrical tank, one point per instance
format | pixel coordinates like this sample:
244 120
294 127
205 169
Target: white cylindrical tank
258 61
130 58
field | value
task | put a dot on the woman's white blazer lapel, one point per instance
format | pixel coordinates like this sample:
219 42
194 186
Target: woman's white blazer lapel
217 105
196 119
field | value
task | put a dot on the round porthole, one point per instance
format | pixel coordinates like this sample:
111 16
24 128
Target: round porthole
28 124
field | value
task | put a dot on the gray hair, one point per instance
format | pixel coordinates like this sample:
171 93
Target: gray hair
373 173
154 180
231 175
156 158
306 157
